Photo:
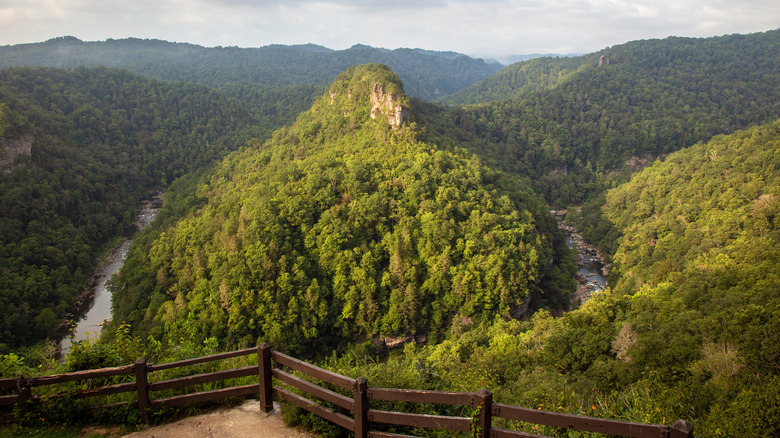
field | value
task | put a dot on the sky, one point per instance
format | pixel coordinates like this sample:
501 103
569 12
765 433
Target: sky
487 29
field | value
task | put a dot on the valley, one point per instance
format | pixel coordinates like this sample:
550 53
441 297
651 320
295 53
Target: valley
591 273
316 212
96 310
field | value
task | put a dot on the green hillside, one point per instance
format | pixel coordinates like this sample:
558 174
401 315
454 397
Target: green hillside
426 74
665 61
375 214
691 330
651 98
700 254
343 226
533 75
97 141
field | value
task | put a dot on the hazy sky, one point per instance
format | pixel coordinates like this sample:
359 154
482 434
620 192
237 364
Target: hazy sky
478 28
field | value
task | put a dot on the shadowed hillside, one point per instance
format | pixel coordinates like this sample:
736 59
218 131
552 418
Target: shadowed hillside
426 74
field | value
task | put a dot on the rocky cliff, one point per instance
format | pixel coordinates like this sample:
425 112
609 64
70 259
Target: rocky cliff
387 104
10 150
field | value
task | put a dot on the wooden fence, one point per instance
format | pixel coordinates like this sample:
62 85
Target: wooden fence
362 416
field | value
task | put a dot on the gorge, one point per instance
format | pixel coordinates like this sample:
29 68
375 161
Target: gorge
95 310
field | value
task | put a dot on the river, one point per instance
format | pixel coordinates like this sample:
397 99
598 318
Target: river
591 276
99 311
591 273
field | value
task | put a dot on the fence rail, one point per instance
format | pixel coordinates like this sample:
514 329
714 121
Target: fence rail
362 416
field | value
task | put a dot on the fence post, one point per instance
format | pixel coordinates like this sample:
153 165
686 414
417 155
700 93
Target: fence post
485 416
265 373
142 388
25 393
361 407
681 429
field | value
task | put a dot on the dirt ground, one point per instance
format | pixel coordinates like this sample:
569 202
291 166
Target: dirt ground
244 421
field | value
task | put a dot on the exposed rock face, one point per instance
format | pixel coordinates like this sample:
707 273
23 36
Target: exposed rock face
636 164
562 170
383 343
519 311
603 60
385 103
10 150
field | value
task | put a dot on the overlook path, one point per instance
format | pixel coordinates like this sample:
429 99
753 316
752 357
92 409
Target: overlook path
244 421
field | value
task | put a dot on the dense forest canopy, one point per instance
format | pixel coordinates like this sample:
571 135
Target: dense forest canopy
341 227
691 330
536 74
426 74
100 139
601 116
666 59
375 213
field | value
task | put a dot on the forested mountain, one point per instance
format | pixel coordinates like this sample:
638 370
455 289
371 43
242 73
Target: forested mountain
700 254
690 330
379 214
642 100
343 226
535 74
666 62
426 74
97 140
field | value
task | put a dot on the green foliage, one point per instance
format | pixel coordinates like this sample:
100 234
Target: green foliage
91 354
342 226
754 412
572 125
271 107
695 339
33 360
520 78
42 430
100 140
12 124
12 365
699 253
427 74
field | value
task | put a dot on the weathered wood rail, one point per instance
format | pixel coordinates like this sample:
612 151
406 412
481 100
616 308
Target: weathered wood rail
361 419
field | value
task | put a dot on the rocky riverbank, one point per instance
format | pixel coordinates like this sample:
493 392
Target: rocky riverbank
591 273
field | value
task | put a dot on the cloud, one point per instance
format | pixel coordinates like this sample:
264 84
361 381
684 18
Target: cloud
369 5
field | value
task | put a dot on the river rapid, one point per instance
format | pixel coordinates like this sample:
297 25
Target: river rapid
97 310
591 273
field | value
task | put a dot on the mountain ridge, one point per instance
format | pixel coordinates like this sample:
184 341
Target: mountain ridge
659 55
343 226
427 74
573 124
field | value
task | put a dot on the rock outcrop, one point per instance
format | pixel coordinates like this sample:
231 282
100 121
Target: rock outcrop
386 103
384 343
10 150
